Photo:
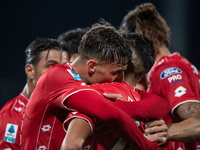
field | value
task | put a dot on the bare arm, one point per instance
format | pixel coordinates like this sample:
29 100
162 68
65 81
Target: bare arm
187 130
78 131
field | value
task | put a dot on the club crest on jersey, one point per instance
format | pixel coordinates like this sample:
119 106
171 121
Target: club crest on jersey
169 71
11 133
74 74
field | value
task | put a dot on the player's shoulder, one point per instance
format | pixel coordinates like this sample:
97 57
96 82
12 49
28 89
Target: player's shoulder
8 106
11 111
168 65
53 72
15 105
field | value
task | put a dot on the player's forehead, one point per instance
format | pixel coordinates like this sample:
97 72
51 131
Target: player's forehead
56 56
50 54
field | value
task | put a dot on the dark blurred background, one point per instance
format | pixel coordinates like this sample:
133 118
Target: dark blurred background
22 21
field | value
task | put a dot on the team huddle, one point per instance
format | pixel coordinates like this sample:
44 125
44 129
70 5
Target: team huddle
103 88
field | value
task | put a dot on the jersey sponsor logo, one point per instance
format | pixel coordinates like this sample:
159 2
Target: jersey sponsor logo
21 103
18 109
11 133
46 128
42 147
198 147
180 91
129 99
159 63
74 74
88 147
175 78
169 71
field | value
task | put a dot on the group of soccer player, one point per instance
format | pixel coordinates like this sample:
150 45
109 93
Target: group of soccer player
105 88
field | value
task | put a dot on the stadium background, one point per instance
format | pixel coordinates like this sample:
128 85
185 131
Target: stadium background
22 21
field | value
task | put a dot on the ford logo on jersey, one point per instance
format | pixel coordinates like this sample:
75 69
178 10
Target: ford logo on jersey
170 71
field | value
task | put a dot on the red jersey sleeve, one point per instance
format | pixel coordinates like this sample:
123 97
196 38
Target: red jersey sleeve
58 81
10 122
95 105
171 81
139 105
149 107
73 115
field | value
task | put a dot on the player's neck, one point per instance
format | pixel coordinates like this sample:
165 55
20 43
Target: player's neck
81 69
27 91
130 79
161 52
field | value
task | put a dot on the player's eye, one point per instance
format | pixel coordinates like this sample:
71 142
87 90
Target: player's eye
51 64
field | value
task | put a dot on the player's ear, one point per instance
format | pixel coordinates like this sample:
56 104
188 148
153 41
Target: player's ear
92 64
30 71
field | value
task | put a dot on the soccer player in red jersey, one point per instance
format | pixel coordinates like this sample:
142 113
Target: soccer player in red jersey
142 61
103 56
41 54
172 77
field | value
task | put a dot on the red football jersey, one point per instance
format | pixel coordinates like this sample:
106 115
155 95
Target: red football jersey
138 109
46 111
10 122
176 79
42 124
141 110
98 140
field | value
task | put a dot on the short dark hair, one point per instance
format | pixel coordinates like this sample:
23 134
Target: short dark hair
71 39
35 48
143 53
145 20
104 43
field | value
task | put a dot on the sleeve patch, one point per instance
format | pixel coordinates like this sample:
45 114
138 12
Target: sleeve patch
74 74
10 133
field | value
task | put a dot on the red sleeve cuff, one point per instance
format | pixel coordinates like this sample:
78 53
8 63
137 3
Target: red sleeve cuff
73 115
